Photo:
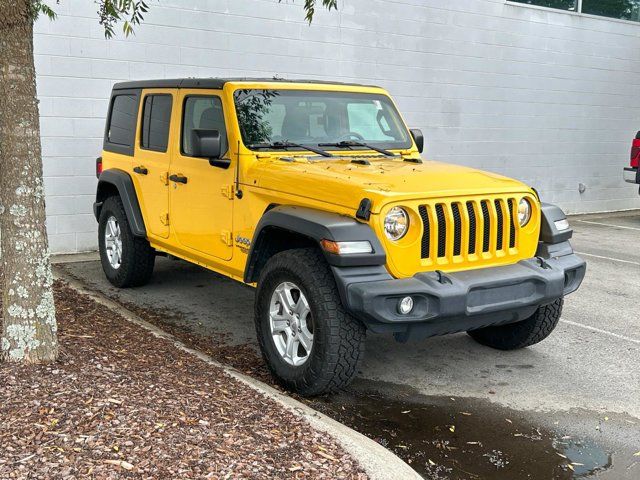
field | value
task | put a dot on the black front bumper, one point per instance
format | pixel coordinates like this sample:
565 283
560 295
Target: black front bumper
453 302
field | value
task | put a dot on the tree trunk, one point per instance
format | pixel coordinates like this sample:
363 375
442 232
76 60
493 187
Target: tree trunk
28 313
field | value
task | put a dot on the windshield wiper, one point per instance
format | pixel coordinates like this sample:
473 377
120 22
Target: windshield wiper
353 143
285 145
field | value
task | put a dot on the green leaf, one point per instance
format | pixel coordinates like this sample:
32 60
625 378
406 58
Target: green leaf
310 7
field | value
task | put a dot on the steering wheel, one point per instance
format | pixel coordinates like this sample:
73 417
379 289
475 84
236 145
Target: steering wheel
351 136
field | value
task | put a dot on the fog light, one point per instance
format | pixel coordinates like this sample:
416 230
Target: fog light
405 305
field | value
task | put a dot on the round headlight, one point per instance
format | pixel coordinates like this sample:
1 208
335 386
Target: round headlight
396 223
524 212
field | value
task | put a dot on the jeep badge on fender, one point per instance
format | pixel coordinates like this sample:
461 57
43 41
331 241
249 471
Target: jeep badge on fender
316 194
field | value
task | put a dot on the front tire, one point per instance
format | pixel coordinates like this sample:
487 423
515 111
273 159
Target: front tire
309 342
127 260
521 334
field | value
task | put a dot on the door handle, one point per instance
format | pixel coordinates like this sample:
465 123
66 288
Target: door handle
140 170
178 179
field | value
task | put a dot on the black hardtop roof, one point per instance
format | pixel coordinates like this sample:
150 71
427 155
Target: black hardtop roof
216 83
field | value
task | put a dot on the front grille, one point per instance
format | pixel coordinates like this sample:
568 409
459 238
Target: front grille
457 228
499 220
426 236
466 230
442 230
471 211
512 222
486 236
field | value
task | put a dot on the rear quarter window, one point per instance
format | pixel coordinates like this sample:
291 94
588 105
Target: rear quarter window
121 123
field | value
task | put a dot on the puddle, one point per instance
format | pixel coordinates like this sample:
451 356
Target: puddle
455 438
585 456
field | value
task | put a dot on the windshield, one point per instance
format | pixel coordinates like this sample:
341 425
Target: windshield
318 118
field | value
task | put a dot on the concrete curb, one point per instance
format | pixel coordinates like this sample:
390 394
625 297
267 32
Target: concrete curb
378 462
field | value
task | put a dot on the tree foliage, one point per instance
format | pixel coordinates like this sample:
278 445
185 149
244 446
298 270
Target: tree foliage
310 7
130 13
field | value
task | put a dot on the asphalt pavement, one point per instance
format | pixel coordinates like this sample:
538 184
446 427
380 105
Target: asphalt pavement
583 381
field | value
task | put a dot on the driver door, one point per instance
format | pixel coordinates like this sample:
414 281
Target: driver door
201 200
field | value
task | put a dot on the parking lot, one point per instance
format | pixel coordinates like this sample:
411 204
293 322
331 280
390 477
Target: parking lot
580 386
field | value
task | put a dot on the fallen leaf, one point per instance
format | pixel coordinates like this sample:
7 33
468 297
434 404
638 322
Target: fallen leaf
120 463
452 428
327 456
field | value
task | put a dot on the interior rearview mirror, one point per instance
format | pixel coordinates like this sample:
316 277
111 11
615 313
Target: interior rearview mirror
418 138
208 144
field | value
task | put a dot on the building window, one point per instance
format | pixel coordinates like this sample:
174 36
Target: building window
156 119
622 9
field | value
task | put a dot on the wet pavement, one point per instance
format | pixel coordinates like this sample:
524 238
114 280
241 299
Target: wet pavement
566 408
462 438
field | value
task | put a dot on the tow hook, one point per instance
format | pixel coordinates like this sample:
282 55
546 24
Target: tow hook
543 263
442 278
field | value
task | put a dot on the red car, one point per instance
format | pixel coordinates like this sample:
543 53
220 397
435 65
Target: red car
632 173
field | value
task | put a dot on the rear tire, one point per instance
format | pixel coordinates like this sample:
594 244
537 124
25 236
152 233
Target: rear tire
521 334
127 260
337 338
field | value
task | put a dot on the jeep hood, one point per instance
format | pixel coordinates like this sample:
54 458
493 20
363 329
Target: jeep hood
342 182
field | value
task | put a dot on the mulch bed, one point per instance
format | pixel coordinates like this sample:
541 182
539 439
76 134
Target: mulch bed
121 403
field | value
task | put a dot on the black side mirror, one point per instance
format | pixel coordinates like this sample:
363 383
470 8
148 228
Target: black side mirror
418 138
208 144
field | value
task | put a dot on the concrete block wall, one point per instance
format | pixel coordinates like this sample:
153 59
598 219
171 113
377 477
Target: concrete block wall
551 98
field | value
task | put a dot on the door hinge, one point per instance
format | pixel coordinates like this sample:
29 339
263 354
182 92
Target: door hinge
164 219
164 178
227 238
228 191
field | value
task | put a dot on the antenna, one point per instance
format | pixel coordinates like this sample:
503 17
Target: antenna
237 189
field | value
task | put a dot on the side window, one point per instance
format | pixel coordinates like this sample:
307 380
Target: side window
122 120
156 119
202 113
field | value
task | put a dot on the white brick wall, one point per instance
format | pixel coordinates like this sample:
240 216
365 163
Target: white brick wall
551 98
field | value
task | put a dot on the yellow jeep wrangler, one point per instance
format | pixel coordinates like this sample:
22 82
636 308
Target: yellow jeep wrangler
316 194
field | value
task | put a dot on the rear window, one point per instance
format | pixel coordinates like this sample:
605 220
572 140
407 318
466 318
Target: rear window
122 120
156 119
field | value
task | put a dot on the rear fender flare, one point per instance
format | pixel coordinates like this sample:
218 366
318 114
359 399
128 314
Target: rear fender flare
120 181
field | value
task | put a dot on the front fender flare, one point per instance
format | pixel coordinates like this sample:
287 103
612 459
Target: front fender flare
315 225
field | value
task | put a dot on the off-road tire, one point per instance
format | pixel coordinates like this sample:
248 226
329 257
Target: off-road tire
138 257
521 334
339 339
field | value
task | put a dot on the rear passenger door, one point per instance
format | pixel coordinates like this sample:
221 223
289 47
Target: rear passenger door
152 158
